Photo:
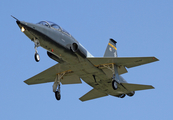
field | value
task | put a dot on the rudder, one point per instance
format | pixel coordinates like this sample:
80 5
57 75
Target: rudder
111 50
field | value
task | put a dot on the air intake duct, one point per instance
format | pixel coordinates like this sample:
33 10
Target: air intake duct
79 50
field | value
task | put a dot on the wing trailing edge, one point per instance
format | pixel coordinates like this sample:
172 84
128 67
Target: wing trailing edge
49 75
136 87
123 61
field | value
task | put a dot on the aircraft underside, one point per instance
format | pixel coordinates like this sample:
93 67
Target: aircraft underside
76 63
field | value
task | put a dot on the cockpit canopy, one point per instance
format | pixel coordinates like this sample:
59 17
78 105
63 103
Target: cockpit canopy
53 25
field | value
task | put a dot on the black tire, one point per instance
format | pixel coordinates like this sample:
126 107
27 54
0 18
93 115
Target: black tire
57 95
122 96
114 85
131 94
37 57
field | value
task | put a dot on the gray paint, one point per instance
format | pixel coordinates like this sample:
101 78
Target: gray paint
110 50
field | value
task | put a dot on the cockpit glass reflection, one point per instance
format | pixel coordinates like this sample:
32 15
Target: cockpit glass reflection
54 25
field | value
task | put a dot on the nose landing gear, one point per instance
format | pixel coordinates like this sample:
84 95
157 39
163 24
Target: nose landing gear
36 56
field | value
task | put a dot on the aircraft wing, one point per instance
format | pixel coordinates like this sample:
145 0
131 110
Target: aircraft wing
123 61
49 75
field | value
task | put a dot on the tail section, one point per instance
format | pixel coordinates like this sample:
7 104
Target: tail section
136 87
111 50
93 94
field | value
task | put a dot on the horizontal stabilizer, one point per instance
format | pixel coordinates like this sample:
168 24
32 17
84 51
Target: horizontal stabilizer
49 75
93 94
136 87
123 61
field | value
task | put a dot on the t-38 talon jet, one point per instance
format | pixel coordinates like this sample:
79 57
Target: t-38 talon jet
76 63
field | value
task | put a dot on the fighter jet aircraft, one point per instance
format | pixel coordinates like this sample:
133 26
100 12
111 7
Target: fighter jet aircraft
76 63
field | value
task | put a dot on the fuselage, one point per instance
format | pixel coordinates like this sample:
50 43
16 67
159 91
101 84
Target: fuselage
54 39
59 42
75 62
68 51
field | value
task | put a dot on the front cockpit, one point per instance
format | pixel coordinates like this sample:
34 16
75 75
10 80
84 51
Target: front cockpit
54 26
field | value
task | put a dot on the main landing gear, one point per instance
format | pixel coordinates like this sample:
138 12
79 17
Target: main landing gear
56 85
115 78
36 56
122 95
114 85
57 93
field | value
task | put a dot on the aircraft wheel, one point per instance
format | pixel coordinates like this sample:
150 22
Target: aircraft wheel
114 85
122 96
37 57
131 94
57 95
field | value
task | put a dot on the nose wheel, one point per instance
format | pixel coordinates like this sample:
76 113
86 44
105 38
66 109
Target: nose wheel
37 57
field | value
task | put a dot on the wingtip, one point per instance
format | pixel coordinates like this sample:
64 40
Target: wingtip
81 100
26 82
152 87
154 58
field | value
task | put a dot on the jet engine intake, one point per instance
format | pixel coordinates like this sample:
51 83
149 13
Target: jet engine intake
78 49
54 57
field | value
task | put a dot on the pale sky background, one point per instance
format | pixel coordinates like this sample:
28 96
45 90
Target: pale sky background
141 28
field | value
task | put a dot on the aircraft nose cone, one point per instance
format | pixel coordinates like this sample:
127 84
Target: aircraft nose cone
18 22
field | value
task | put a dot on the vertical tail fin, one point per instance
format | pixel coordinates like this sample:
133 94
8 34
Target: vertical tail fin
111 50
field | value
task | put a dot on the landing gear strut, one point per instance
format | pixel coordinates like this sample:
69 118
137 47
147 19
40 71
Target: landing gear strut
115 78
36 56
56 85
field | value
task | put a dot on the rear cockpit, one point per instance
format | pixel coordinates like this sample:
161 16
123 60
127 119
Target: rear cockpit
54 26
